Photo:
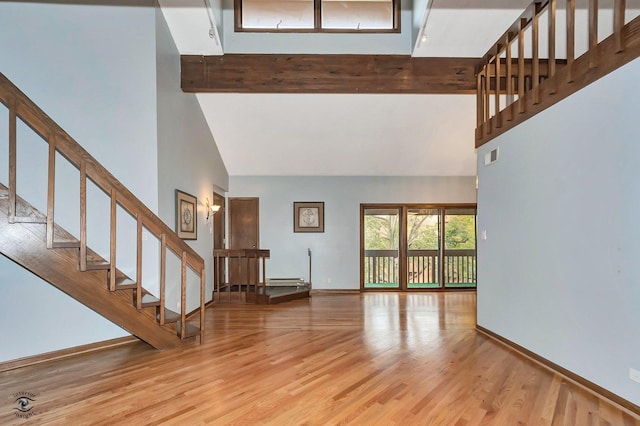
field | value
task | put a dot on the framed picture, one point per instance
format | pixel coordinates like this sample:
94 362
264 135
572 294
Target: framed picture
186 219
308 217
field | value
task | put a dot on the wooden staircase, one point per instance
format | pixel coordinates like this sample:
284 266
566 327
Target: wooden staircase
33 240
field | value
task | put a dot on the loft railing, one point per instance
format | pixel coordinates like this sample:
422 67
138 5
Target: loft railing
514 83
20 106
423 268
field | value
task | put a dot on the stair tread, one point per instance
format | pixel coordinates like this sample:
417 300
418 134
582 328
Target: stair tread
29 219
149 300
98 264
190 331
66 244
169 316
127 286
25 212
125 283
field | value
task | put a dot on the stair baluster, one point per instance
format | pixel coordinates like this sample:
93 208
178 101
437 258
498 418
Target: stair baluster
12 162
112 239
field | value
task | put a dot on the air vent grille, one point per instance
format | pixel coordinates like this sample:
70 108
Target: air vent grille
491 157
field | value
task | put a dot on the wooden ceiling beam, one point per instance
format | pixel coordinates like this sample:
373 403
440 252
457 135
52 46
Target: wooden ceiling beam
239 73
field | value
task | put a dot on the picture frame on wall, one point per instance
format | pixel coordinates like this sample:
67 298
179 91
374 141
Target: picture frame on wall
308 216
186 219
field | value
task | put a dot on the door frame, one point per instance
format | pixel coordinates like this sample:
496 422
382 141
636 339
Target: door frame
402 244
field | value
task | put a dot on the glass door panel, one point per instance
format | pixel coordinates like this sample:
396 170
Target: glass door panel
460 247
423 242
381 243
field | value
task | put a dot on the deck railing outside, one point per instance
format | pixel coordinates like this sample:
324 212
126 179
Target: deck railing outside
381 268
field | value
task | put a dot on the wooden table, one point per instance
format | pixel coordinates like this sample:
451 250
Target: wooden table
221 256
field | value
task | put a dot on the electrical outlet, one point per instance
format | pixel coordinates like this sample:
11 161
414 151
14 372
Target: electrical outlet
634 375
328 280
178 306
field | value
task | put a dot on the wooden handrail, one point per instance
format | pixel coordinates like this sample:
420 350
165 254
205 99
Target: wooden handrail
539 87
20 106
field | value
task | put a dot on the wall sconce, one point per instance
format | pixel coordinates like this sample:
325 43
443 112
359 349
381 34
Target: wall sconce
211 209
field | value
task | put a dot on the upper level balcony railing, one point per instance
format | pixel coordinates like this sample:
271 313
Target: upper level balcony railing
541 59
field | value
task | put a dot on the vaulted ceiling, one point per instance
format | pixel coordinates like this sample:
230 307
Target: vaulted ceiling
346 134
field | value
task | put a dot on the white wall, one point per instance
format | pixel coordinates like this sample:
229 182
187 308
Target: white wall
92 69
558 272
335 252
188 159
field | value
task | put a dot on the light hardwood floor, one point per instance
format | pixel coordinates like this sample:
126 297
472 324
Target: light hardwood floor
365 359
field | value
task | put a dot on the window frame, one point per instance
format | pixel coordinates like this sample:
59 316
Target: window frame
317 18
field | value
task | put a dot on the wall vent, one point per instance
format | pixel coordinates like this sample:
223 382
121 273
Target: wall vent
491 157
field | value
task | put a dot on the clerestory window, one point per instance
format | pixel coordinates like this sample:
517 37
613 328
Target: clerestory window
377 16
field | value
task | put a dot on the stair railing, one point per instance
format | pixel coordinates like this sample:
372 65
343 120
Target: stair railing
20 106
529 85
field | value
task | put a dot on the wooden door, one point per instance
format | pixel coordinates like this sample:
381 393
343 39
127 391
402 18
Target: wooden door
244 232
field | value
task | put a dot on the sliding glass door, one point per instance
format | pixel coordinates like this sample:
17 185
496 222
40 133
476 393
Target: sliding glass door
423 243
381 234
460 247
413 247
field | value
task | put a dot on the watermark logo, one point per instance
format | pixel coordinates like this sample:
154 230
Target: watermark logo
24 403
